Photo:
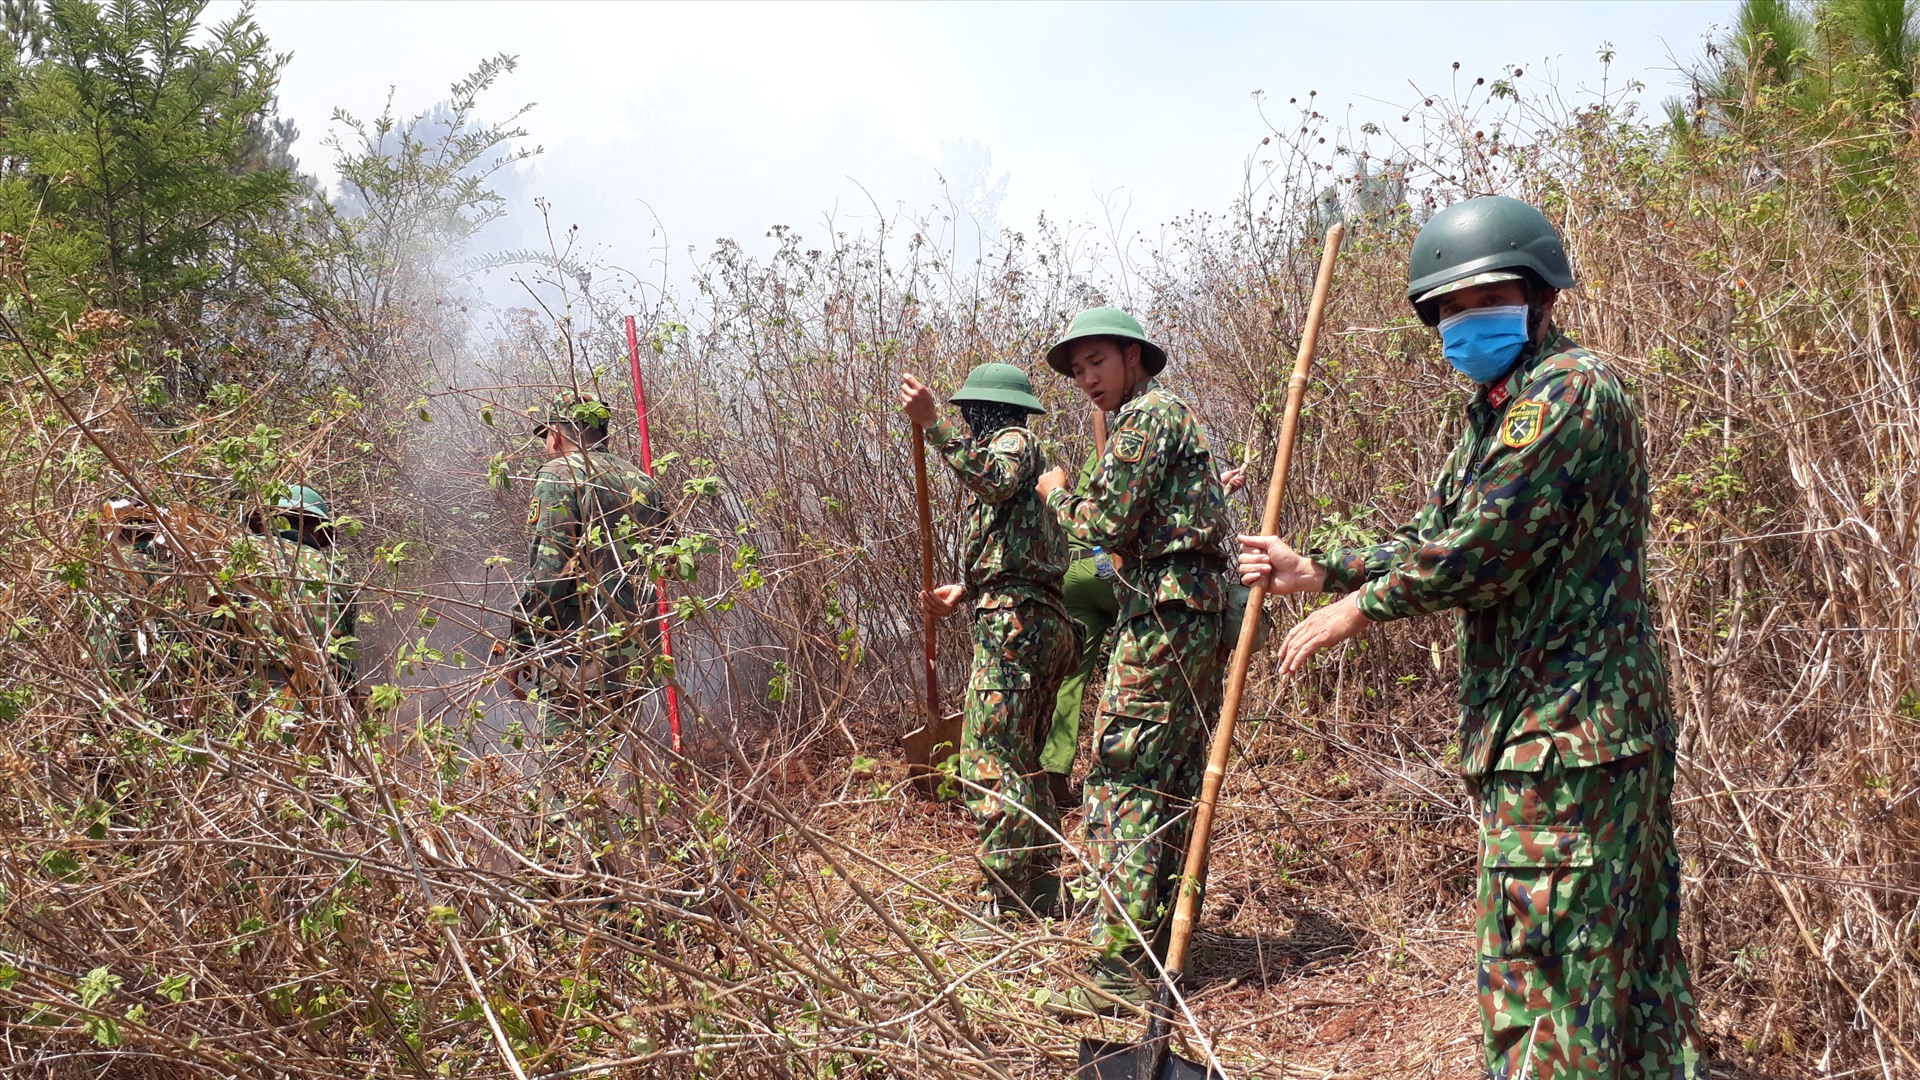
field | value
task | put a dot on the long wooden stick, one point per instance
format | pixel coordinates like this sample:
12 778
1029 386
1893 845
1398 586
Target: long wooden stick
929 624
659 584
1222 747
1099 431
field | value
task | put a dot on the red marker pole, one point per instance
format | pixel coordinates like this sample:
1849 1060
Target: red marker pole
659 584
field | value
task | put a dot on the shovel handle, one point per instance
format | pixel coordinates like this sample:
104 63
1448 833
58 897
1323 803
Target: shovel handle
929 625
1222 747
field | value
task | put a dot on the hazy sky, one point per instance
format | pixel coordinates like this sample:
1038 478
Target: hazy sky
710 120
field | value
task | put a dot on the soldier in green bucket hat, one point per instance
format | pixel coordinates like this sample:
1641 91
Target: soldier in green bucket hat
1023 645
1155 502
1536 534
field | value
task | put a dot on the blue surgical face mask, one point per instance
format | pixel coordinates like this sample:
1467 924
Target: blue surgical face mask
1483 343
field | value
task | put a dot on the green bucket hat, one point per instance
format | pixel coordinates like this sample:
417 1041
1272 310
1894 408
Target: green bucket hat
1107 322
1003 384
301 499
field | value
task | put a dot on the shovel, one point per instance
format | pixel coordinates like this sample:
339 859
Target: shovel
929 744
1153 1059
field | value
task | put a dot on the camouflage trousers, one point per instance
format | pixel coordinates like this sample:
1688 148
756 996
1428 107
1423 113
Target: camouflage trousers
1149 749
1581 974
579 688
1020 654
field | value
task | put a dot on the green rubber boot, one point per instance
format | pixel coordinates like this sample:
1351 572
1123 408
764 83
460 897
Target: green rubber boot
1112 986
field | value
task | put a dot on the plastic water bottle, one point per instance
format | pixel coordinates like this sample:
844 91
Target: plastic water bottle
1102 563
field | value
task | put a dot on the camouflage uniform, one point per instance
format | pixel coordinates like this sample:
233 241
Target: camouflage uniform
1537 533
1022 646
1156 502
1093 604
308 584
585 614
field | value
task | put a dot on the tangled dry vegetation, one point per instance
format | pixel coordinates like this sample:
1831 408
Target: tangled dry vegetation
377 893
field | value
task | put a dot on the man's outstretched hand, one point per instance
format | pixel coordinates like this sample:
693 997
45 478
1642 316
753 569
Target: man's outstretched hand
1330 625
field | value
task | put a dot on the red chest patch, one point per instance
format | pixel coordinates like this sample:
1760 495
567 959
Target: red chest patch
1497 396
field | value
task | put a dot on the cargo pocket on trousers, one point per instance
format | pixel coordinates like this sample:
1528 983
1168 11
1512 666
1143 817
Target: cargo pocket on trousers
1530 882
1535 977
1530 873
997 690
1133 736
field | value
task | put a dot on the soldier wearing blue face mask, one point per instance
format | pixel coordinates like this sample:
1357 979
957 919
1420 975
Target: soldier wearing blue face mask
1536 534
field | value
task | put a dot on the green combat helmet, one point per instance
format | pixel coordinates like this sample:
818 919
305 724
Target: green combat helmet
581 411
1492 238
1110 323
1002 384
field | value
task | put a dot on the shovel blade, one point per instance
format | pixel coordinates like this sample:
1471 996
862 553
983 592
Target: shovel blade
924 748
1102 1060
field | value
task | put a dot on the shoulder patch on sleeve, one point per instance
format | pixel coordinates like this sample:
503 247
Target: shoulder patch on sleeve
1011 442
1523 424
1129 444
533 511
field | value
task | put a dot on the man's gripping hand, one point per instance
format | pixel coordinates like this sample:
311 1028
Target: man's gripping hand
942 601
1285 571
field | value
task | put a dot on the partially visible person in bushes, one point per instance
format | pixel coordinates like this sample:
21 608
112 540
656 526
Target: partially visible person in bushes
308 651
1537 534
1015 555
581 634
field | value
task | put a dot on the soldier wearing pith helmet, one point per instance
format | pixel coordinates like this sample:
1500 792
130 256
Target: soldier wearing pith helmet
1156 503
1536 534
304 568
1014 557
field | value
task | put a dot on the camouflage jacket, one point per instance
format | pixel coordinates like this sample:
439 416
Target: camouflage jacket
1155 501
593 518
1537 533
1014 547
309 584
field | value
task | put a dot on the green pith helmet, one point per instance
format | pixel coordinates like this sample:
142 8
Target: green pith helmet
1001 383
297 501
574 410
301 499
1107 322
1492 238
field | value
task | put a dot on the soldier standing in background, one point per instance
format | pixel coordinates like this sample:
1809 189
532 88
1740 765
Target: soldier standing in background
582 627
1537 535
1156 503
1022 640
